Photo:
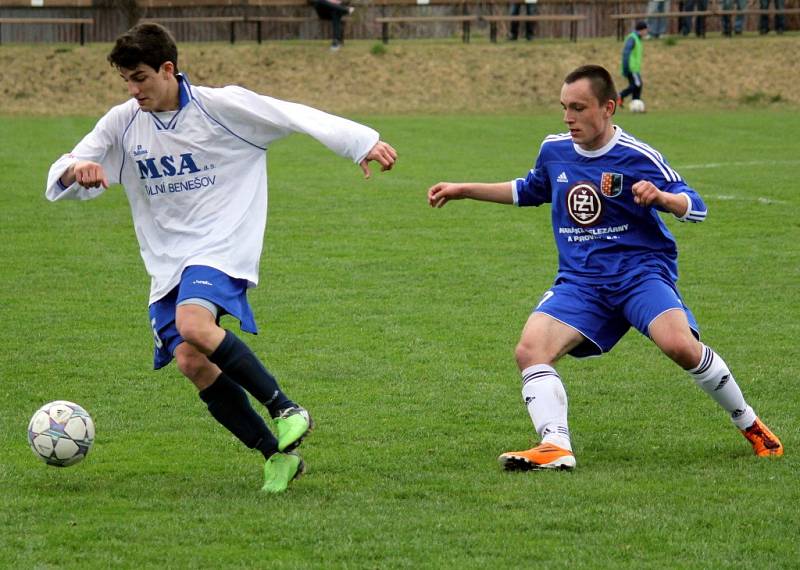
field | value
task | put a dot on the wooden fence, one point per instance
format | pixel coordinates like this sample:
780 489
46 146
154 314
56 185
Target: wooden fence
110 20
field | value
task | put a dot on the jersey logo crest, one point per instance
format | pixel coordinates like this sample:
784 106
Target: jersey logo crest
611 184
584 204
562 178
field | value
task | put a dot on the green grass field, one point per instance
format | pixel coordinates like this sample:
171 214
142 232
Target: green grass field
395 325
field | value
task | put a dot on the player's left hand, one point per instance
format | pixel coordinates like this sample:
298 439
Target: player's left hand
646 194
383 153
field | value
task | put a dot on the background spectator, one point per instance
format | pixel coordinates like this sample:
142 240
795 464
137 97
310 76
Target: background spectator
531 10
700 21
658 26
763 24
726 19
333 10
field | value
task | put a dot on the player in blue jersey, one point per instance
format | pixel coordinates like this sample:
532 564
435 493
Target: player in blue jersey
193 165
617 265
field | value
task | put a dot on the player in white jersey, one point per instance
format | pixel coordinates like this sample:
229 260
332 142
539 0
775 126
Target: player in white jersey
192 161
617 265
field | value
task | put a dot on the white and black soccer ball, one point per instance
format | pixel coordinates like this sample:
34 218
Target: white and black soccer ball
61 433
637 106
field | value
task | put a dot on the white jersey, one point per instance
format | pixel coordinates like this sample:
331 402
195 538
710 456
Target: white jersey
196 178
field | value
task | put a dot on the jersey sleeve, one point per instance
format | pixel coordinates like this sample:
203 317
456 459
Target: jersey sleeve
696 210
260 120
534 189
657 170
101 145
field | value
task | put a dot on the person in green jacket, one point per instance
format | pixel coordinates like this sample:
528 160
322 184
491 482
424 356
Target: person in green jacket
632 63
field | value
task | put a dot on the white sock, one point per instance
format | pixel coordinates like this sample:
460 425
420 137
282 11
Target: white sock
716 380
546 400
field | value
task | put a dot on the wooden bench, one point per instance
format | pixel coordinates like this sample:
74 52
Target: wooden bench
230 20
50 4
259 21
466 21
573 20
80 22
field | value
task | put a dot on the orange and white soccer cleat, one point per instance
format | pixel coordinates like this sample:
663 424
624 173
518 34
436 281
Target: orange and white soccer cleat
543 456
764 442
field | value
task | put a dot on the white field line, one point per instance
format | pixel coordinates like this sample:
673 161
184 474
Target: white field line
735 163
759 199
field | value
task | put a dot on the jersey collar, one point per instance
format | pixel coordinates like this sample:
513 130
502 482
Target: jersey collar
183 90
602 150
184 97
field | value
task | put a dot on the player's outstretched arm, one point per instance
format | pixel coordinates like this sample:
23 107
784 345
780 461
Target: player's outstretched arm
86 173
441 193
383 154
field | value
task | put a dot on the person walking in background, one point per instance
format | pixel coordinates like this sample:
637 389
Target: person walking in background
192 161
617 267
333 11
726 19
531 10
763 22
632 53
700 21
657 27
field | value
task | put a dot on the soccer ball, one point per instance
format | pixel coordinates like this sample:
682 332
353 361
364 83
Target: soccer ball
637 106
61 433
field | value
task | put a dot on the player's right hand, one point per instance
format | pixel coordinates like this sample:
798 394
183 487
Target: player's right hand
383 153
441 193
90 174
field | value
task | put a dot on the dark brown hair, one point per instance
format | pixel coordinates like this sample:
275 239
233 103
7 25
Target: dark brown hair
600 79
150 44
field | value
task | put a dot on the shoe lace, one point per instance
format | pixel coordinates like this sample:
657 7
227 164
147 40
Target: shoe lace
285 413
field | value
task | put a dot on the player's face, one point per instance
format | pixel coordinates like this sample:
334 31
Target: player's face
154 90
588 120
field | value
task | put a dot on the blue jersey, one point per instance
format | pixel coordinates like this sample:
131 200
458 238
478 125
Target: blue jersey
602 235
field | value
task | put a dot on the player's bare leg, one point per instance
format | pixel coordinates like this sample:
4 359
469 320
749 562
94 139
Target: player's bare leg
195 366
671 333
543 342
198 326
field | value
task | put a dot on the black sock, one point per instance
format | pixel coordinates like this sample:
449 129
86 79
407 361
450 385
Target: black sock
230 406
237 361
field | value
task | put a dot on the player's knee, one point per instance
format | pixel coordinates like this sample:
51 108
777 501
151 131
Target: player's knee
194 331
194 365
684 351
528 353
189 362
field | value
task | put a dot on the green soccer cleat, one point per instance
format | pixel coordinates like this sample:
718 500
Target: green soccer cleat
293 424
280 470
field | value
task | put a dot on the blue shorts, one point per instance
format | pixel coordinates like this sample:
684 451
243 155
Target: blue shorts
604 313
198 282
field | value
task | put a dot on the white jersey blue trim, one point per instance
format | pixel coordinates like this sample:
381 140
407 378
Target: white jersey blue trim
196 179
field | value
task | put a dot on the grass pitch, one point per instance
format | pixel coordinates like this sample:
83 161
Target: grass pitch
395 325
